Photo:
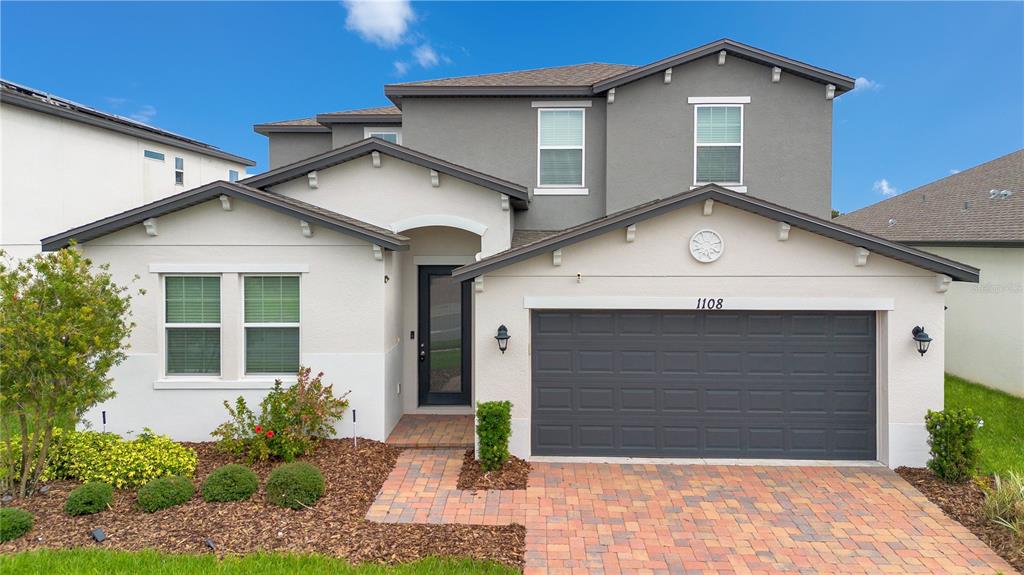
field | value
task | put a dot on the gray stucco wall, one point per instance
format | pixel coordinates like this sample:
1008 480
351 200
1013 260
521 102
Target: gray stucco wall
787 147
345 134
286 147
498 136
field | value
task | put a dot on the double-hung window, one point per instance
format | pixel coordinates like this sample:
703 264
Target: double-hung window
179 171
271 325
718 145
192 324
560 153
387 134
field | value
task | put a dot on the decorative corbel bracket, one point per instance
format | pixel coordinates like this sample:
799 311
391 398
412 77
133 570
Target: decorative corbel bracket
783 231
631 233
312 177
435 179
556 258
225 202
307 231
378 252
709 205
376 158
860 257
150 226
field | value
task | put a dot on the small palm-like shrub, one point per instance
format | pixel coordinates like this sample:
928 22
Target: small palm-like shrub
295 485
89 498
951 439
493 430
1004 504
232 482
14 523
165 492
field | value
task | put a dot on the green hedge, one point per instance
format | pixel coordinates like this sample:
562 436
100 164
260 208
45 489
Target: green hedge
89 498
165 492
951 437
295 485
14 523
231 482
493 429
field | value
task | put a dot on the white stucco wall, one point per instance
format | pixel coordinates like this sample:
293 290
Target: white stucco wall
754 265
342 331
56 174
985 321
399 196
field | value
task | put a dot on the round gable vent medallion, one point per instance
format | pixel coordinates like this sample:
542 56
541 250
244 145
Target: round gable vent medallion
706 246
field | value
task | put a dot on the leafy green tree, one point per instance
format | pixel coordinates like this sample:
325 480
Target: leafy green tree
63 325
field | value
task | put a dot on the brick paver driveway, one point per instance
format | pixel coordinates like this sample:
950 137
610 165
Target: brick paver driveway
602 518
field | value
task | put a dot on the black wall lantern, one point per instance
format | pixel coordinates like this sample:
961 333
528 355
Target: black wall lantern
922 339
502 338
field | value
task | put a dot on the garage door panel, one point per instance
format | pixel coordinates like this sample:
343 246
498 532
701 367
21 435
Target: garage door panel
705 384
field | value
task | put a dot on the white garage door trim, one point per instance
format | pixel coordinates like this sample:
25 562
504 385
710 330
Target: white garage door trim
702 302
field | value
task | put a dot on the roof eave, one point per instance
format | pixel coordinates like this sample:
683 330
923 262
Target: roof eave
396 92
378 119
75 115
267 129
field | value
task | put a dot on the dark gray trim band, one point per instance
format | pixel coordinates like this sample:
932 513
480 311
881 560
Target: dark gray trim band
152 135
276 202
519 194
266 129
368 119
841 82
955 270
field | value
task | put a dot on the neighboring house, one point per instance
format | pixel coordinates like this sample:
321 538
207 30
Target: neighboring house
65 164
654 239
975 216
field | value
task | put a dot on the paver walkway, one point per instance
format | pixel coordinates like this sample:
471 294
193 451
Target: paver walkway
419 431
603 519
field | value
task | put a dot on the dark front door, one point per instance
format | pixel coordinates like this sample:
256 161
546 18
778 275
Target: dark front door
443 341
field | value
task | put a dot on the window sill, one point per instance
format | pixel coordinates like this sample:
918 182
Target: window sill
737 189
217 383
561 192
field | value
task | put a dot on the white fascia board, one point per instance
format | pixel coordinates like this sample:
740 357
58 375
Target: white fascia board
563 104
228 268
691 303
718 100
561 191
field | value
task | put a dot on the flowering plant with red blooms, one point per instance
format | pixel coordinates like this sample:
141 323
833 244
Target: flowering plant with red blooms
258 429
270 433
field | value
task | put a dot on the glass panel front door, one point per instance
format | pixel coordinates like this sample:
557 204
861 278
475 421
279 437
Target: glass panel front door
443 337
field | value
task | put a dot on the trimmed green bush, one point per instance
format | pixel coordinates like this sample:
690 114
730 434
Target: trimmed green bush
89 498
14 523
295 485
493 429
231 482
165 492
951 437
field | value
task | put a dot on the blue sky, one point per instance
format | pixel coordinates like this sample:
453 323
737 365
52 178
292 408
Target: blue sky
944 85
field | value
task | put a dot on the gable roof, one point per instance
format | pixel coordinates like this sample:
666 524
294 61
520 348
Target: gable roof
596 78
931 262
965 208
277 202
519 194
32 99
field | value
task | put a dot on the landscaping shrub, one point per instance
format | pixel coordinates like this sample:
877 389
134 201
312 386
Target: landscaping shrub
951 437
14 523
289 424
94 456
165 492
493 429
89 498
295 485
231 482
1004 503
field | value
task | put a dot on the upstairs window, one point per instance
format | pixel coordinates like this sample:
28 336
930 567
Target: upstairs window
387 134
560 157
192 324
179 171
232 175
153 155
271 325
718 145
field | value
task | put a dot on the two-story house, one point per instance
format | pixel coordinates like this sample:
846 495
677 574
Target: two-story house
63 164
638 257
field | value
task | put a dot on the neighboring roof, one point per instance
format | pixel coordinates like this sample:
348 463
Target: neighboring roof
522 237
596 78
32 99
277 202
970 207
378 115
955 270
519 194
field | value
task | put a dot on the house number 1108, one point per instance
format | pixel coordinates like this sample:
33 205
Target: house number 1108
709 303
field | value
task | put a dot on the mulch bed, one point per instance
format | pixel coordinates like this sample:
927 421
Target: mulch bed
512 475
334 526
963 503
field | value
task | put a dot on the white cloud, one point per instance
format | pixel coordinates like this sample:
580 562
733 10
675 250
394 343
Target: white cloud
401 68
862 84
425 56
144 114
383 22
884 187
115 101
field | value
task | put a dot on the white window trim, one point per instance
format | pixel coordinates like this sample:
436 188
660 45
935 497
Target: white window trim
256 377
561 189
563 104
738 184
164 326
179 171
718 100
368 130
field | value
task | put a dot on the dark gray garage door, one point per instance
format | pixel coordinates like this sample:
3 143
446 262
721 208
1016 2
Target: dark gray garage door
795 385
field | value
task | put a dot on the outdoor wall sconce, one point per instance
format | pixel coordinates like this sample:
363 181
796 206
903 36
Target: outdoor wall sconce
922 339
502 338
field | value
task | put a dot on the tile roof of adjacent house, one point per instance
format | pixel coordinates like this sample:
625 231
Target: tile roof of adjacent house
31 98
982 205
549 243
321 122
313 214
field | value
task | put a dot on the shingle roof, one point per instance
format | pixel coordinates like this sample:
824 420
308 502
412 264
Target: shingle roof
574 75
961 208
378 111
295 122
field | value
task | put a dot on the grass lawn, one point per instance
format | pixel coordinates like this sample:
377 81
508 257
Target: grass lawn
101 562
1001 439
